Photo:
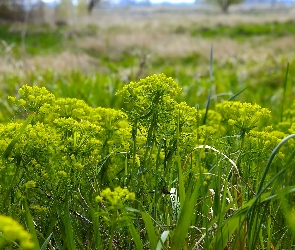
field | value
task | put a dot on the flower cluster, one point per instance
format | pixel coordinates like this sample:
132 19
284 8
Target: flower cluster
154 114
289 114
244 116
155 89
30 184
115 198
151 97
10 231
266 139
77 109
69 126
287 125
34 98
213 126
65 144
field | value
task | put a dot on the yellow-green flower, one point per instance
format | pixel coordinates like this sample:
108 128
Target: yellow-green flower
98 199
10 230
116 197
22 102
30 184
245 116
231 122
62 174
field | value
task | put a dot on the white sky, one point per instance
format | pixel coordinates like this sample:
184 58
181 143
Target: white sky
172 1
48 1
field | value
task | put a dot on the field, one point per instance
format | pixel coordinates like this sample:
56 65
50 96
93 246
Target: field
149 128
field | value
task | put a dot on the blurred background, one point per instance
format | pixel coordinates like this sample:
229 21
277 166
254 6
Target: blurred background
90 48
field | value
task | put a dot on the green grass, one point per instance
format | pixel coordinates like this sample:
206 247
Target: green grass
66 137
242 31
36 40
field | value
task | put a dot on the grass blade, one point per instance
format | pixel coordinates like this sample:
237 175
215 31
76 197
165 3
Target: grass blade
180 175
284 93
150 230
135 237
226 230
95 220
238 93
164 236
44 245
68 225
184 220
269 161
31 226
210 88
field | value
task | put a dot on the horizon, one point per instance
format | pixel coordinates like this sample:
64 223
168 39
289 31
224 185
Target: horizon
151 1
174 2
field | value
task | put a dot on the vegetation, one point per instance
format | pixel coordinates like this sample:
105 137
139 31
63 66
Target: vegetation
224 4
11 10
199 155
242 31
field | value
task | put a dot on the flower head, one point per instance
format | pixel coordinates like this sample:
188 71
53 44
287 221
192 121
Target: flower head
116 197
11 230
30 184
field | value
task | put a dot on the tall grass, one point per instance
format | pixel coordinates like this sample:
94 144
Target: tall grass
95 161
186 197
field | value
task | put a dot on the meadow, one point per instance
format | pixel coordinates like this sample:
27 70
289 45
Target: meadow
149 128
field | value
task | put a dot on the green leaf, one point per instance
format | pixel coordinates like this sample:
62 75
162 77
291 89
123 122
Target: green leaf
284 92
210 88
68 225
180 174
135 237
224 234
31 226
238 93
269 161
43 247
95 221
184 220
164 236
226 230
181 186
150 230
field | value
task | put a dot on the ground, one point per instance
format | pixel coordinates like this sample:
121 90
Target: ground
146 33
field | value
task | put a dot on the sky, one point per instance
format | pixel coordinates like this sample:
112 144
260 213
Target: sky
173 1
48 1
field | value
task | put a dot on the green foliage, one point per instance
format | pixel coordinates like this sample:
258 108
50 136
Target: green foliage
84 168
185 184
37 40
242 31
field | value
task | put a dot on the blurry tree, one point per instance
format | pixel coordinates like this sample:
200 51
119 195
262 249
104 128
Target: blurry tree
91 5
62 11
224 4
22 10
82 7
16 10
12 10
66 8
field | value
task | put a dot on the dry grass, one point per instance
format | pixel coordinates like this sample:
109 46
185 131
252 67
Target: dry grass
64 61
151 31
156 16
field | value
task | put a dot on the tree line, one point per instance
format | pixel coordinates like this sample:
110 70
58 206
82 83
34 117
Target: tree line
19 10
